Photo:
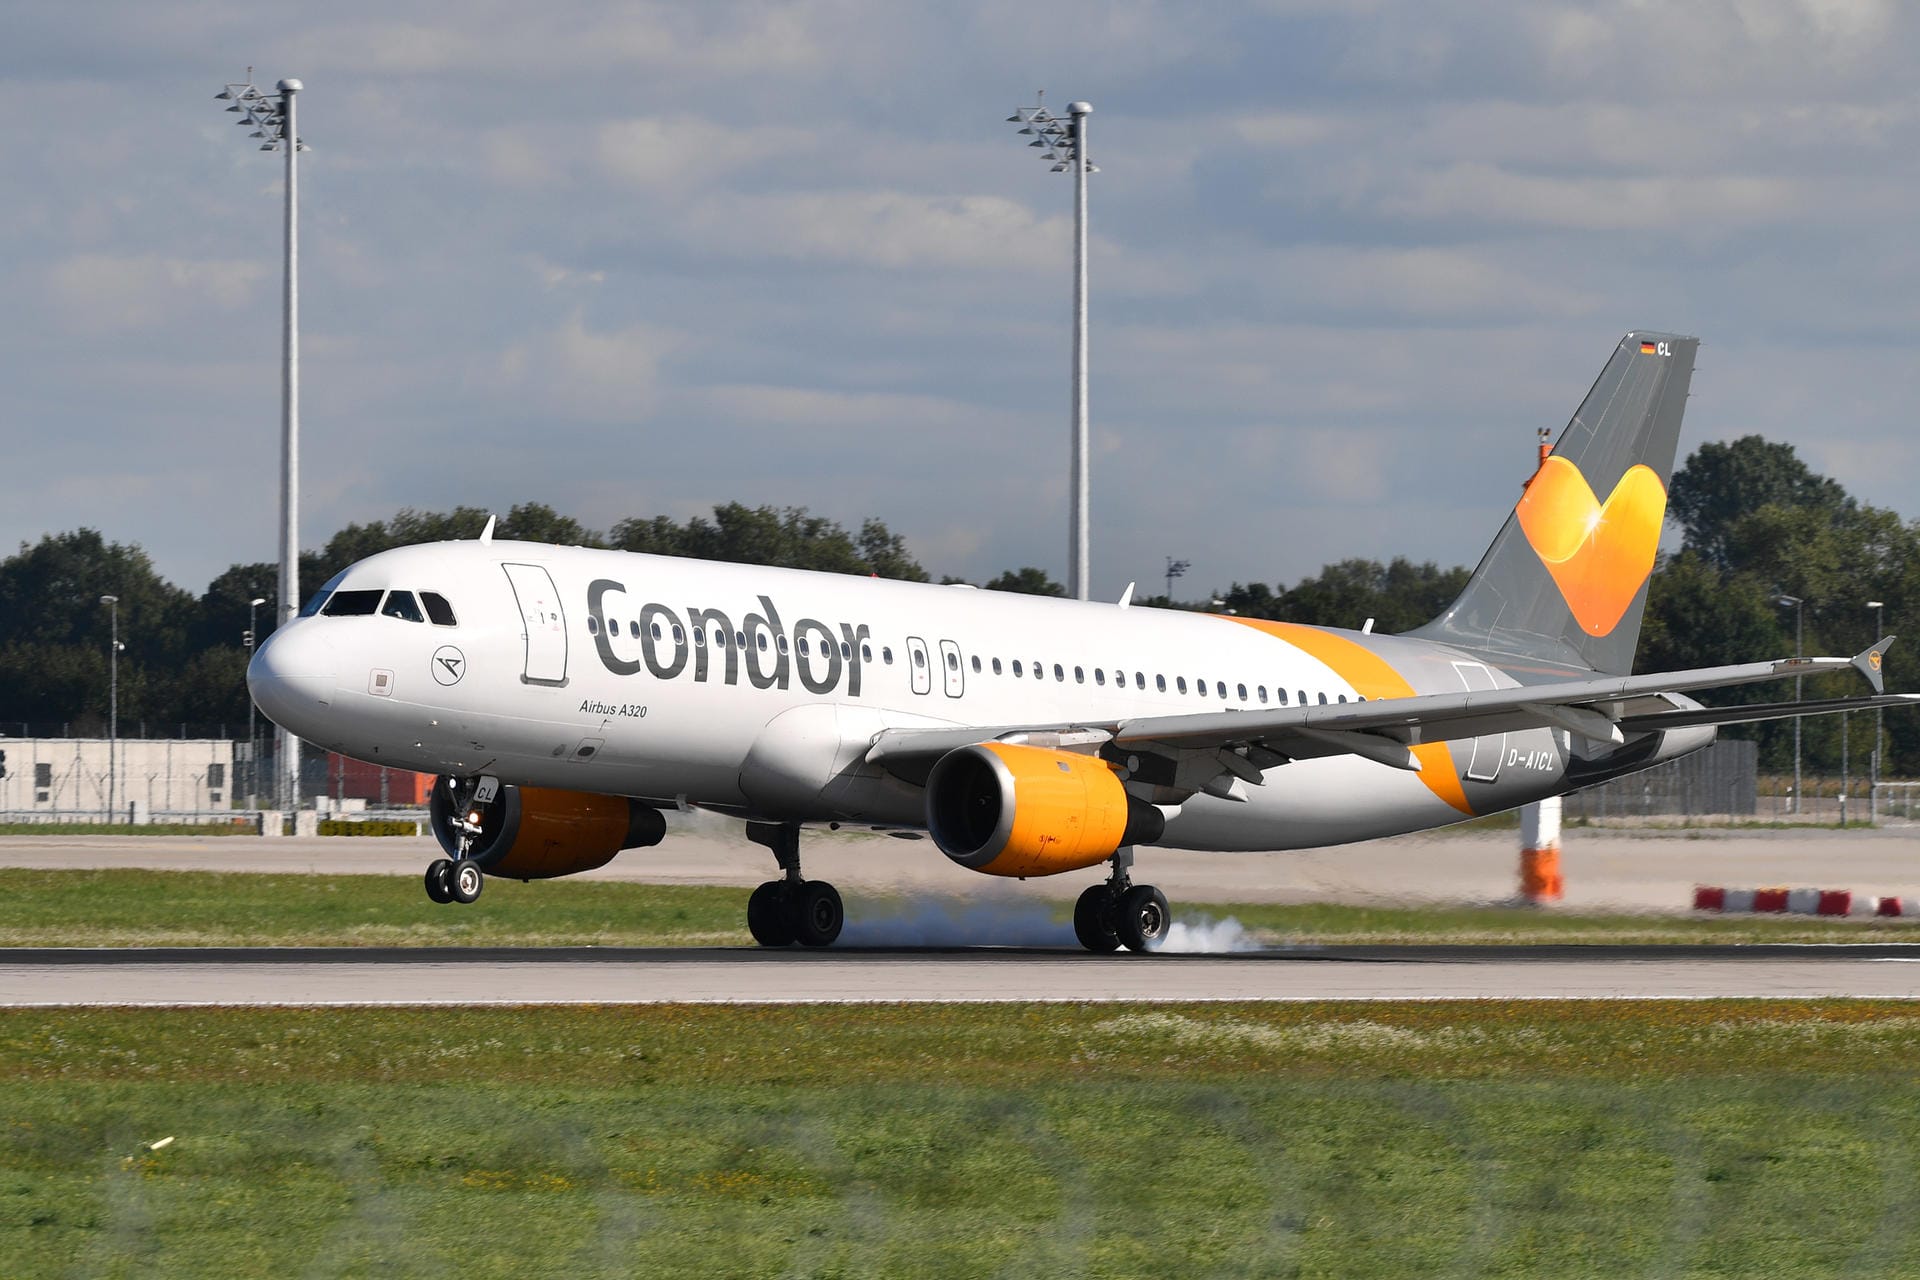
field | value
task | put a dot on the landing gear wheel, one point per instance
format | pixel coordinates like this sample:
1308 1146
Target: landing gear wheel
1093 920
464 881
1143 918
437 887
767 918
817 913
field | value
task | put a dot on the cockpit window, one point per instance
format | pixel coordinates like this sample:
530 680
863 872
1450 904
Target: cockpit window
401 605
312 606
439 612
352 604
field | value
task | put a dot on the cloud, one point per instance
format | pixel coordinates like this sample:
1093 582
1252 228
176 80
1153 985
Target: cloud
95 291
685 151
883 228
598 376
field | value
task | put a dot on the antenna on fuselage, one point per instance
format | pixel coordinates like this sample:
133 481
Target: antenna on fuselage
486 534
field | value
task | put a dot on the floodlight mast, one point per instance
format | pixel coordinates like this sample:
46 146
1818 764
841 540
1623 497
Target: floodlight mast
272 116
1065 143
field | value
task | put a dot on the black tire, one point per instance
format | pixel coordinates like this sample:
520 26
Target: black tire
465 881
1143 919
817 914
437 886
767 918
1093 920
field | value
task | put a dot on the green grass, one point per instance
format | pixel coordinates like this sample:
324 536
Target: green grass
123 908
1489 1139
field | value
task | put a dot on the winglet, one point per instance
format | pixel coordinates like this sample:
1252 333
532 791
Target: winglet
1870 662
1126 597
486 534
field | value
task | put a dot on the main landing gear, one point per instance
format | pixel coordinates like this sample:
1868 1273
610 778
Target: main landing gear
789 910
1119 913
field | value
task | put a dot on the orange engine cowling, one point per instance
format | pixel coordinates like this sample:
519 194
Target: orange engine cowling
534 833
1012 810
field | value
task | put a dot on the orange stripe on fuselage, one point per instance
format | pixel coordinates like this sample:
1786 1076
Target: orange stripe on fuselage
1371 677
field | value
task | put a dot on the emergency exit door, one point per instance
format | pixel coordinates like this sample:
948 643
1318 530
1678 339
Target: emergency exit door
545 624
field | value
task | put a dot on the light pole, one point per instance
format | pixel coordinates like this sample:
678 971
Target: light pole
1065 143
1175 569
113 707
253 747
1879 608
272 118
1799 617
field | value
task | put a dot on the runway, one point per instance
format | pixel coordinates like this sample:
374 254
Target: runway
517 976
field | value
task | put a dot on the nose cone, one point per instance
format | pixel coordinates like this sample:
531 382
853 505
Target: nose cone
292 676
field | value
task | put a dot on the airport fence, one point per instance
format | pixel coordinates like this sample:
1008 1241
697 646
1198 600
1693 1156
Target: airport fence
1722 781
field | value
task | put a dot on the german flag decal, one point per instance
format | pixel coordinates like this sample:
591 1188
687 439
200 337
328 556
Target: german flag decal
1647 349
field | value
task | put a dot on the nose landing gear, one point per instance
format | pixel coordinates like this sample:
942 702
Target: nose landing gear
459 879
1118 913
791 909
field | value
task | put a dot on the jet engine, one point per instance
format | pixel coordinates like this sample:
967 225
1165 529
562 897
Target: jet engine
535 833
1012 810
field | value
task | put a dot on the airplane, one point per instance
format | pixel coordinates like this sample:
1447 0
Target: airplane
568 697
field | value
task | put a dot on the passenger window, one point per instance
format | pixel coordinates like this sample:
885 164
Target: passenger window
976 664
763 643
719 638
1039 672
886 654
1343 697
846 650
1303 697
802 645
655 629
1160 683
866 653
401 605
593 625
1242 691
1263 693
1323 699
1140 680
679 636
352 604
953 662
739 639
633 628
996 666
760 641
1181 683
1200 687
439 612
919 658
1059 673
1220 686
700 639
1099 676
1017 669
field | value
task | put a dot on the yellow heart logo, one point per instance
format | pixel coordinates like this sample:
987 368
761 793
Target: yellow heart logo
1599 554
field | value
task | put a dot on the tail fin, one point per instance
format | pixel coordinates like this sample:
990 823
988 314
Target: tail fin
1563 586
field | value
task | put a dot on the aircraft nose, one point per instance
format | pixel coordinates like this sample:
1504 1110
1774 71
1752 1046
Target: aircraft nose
292 676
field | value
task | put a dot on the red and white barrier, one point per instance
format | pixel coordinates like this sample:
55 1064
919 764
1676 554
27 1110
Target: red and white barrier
1802 902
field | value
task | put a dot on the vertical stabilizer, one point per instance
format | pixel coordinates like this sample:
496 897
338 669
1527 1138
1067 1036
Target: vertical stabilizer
1564 584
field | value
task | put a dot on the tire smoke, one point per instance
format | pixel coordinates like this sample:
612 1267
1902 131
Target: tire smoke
1203 935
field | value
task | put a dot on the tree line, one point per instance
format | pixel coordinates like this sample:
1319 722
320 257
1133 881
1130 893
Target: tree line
1757 527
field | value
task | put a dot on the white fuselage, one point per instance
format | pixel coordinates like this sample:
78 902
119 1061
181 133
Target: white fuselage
757 690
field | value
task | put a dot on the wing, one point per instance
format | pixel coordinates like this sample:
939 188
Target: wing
1208 751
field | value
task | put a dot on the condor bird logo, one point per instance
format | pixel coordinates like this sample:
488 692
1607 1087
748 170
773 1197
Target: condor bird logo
449 664
1598 553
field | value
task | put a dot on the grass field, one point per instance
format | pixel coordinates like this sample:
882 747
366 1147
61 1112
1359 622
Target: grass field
193 908
1562 1139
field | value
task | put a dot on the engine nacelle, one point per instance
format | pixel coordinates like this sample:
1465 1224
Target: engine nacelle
1012 810
535 833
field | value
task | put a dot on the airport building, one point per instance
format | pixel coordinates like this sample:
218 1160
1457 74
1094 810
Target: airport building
76 779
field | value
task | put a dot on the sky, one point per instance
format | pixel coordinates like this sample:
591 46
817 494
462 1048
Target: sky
640 259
